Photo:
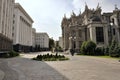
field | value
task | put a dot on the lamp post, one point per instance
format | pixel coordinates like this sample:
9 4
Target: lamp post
110 32
72 44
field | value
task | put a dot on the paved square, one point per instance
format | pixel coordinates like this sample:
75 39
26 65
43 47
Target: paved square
77 68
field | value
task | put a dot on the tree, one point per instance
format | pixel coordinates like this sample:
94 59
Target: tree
83 49
51 43
90 47
114 49
57 46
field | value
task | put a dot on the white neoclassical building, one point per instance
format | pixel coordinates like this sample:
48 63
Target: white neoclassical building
42 40
61 42
6 23
22 29
33 36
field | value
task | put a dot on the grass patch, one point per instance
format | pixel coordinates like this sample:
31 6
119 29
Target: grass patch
10 54
108 57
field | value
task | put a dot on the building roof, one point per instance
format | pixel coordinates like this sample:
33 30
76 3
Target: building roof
42 33
17 5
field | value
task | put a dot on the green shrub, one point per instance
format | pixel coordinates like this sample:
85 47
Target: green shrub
13 54
50 57
106 51
114 49
83 49
99 51
10 54
88 48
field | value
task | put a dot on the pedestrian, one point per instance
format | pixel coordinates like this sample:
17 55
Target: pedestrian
72 52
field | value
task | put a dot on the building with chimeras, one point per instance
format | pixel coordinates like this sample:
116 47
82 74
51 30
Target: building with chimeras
91 25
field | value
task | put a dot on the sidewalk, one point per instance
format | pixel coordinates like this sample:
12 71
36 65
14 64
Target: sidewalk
1 75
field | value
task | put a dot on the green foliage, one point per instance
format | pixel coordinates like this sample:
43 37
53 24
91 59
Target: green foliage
83 49
13 54
114 50
51 43
50 57
10 54
99 51
88 48
106 51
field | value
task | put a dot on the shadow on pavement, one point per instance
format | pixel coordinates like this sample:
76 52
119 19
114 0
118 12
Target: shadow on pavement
10 74
33 70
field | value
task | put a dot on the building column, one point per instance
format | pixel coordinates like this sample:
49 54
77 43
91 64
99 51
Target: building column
105 31
93 34
77 41
70 43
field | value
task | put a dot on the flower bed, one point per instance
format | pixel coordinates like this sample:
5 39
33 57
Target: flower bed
50 57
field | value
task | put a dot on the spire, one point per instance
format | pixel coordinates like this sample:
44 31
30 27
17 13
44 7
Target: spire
73 14
98 6
116 8
80 11
86 6
64 15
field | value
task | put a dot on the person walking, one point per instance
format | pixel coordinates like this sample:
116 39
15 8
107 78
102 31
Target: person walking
72 52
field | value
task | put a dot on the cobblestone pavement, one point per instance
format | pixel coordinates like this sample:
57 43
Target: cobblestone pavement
77 68
9 74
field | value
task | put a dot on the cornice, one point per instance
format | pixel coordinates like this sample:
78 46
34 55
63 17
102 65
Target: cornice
17 5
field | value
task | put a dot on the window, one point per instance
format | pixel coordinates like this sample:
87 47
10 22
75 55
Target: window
99 34
113 31
119 31
118 22
80 33
113 21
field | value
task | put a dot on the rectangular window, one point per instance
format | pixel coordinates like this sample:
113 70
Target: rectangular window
113 31
99 34
113 21
119 31
118 22
80 33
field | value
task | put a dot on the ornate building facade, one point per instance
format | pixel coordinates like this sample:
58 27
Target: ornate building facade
90 25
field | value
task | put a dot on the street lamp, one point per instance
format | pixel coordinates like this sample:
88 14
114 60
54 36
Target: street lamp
110 32
72 44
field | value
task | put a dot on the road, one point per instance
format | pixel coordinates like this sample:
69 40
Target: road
77 68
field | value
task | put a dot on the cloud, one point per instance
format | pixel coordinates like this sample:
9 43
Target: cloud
107 5
48 14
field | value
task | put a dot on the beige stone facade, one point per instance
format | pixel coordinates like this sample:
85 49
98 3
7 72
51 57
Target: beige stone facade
33 36
61 42
6 23
90 25
22 29
42 40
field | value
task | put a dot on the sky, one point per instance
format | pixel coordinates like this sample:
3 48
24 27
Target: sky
48 14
